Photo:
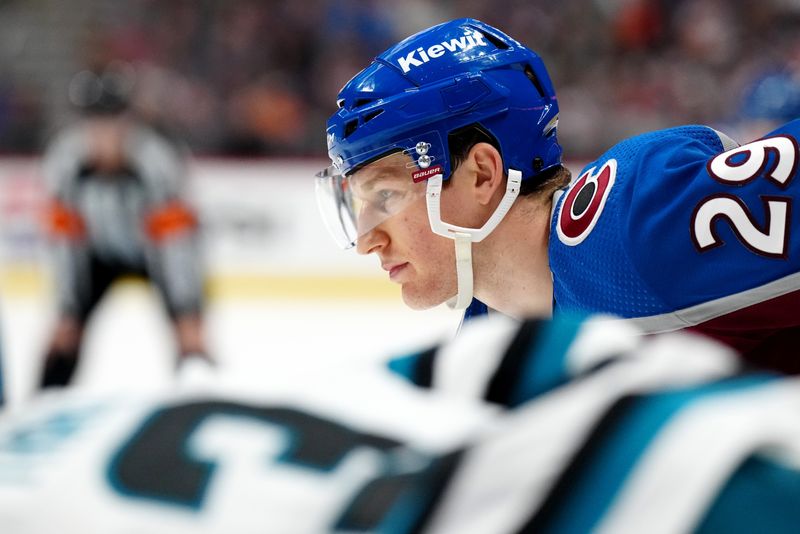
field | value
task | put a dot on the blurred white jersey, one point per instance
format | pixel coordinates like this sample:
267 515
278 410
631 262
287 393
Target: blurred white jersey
606 432
292 452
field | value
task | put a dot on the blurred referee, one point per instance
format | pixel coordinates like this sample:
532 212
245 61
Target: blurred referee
116 209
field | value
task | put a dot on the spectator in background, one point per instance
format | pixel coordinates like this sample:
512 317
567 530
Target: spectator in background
265 118
650 64
115 209
772 98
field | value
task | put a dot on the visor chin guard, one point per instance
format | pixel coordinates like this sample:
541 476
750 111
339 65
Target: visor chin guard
464 237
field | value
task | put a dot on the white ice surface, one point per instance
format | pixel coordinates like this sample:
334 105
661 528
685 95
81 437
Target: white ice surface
129 344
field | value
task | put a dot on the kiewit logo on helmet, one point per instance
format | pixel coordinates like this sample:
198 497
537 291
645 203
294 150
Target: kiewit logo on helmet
465 42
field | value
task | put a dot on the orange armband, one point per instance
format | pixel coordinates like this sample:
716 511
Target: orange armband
63 221
168 220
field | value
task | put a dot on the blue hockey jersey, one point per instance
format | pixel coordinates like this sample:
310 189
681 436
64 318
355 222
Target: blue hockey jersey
684 228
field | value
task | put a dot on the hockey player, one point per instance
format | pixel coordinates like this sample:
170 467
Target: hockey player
116 209
587 429
446 165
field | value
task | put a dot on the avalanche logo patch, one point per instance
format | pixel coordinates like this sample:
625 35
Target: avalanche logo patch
584 202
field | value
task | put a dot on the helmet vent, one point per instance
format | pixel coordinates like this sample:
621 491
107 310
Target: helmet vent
350 127
371 115
362 102
499 43
534 80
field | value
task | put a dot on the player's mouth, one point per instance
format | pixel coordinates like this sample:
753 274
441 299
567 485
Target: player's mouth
395 269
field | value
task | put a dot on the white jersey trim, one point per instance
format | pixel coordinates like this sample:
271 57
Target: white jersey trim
464 366
712 309
673 485
530 456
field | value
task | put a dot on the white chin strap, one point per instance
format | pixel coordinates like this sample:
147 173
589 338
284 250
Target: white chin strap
464 237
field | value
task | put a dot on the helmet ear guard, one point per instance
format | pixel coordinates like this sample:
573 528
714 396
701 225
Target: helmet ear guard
439 227
464 237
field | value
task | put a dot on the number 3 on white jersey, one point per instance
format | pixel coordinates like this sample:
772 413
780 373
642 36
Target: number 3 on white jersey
737 167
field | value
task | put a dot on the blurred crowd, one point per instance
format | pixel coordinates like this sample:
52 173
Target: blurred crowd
259 77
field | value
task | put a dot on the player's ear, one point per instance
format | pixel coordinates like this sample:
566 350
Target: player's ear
487 165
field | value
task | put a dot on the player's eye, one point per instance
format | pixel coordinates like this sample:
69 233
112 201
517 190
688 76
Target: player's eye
388 200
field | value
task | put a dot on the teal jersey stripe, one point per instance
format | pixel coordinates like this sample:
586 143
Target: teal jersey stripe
761 496
416 368
588 487
418 496
404 366
545 365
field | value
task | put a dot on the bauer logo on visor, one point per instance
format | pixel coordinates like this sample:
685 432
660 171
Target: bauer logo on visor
424 174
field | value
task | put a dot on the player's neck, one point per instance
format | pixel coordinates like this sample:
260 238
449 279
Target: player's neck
512 273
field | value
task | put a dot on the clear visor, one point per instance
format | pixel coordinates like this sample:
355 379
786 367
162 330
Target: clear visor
355 202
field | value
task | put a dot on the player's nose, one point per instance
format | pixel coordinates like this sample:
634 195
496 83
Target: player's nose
372 241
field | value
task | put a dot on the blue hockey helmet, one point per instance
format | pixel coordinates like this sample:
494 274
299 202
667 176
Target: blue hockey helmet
416 93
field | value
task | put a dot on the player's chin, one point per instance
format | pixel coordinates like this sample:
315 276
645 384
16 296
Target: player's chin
418 298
